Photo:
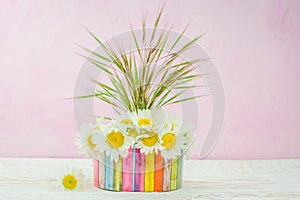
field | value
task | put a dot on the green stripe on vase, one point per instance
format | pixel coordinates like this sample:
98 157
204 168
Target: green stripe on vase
174 174
179 172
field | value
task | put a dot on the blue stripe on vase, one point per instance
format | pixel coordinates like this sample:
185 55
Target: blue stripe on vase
133 167
109 174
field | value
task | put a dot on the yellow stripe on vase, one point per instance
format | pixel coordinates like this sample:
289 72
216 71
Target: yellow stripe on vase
118 175
174 174
149 173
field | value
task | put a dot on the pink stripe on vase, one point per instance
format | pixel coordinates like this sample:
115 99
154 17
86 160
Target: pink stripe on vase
139 171
127 172
96 173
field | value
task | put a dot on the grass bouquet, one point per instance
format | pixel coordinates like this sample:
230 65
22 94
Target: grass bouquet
140 148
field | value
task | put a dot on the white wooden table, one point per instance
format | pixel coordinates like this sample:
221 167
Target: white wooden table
204 179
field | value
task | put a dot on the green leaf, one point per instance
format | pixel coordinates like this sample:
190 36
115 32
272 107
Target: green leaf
188 99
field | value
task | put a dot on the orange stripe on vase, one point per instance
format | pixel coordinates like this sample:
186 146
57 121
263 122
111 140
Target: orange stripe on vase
158 173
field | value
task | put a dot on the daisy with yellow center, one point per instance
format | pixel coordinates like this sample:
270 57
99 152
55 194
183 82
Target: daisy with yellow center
112 141
83 139
126 125
148 142
172 138
150 120
168 141
115 139
72 179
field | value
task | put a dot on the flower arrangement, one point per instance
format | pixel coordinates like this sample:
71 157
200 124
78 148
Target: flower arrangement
147 130
141 148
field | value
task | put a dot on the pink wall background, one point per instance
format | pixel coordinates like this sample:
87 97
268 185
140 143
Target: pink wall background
256 46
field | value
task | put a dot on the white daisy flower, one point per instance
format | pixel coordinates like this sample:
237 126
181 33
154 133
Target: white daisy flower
172 144
71 179
81 149
188 133
150 120
173 138
112 141
148 142
83 140
173 123
126 125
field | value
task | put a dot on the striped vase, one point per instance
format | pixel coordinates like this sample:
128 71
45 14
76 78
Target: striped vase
138 173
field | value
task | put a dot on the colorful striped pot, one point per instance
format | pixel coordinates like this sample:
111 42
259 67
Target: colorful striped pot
138 173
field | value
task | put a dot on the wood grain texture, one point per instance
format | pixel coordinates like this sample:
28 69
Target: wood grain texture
206 179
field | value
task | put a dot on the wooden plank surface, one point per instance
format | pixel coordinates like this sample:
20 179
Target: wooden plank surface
204 179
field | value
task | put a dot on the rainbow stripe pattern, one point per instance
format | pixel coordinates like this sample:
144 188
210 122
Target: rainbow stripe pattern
138 173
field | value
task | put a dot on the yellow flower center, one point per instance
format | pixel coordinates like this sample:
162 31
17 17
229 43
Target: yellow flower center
115 139
126 122
90 143
169 141
69 182
97 128
144 122
132 132
151 140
